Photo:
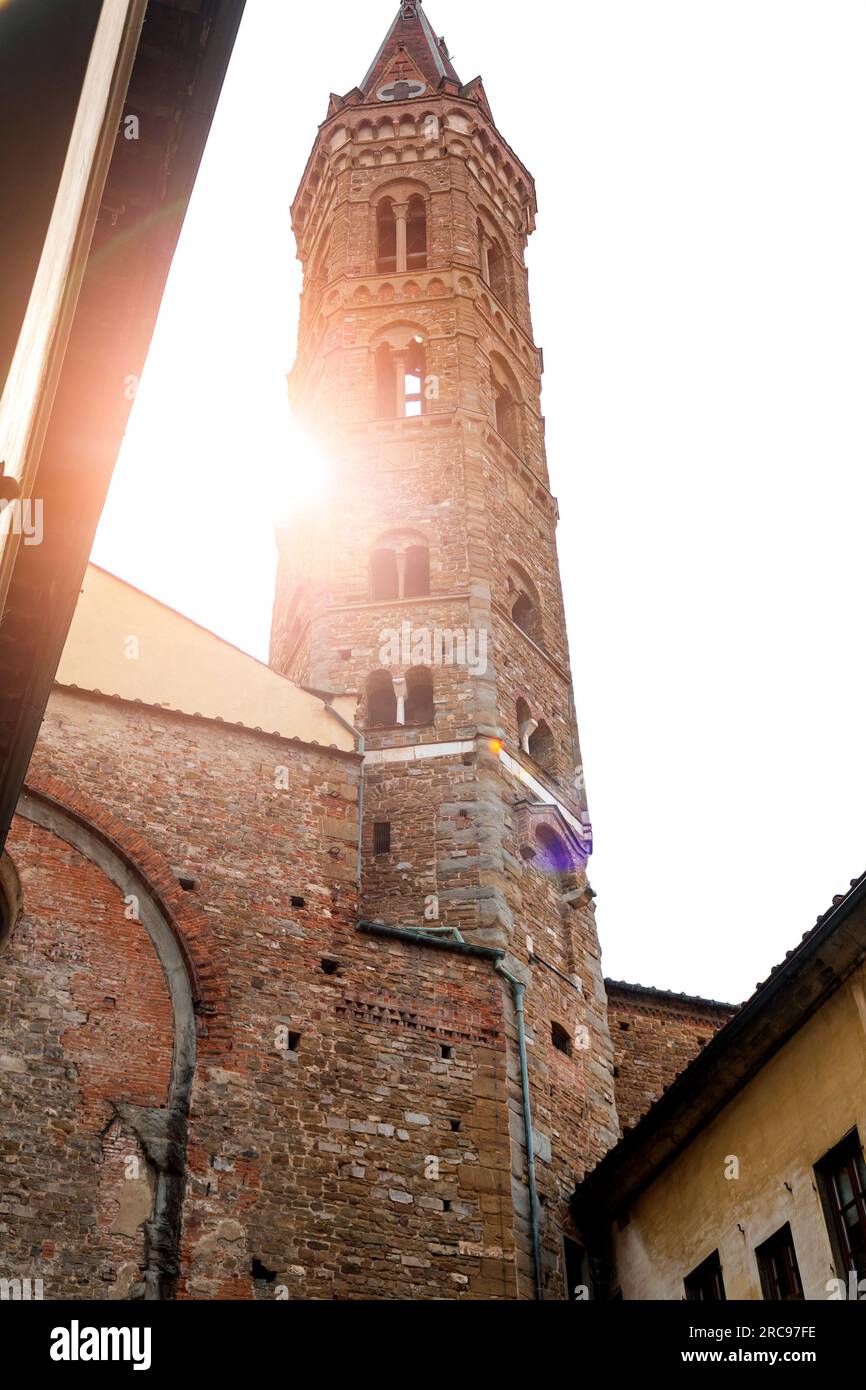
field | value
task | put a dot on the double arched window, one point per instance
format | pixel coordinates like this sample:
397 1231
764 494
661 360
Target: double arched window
401 374
401 235
400 569
394 702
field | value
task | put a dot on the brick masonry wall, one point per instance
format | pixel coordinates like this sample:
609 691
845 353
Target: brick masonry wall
655 1036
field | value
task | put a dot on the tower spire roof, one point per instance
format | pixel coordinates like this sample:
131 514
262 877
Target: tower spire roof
410 54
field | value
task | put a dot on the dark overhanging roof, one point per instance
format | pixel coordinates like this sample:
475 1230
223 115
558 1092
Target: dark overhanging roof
650 992
778 1009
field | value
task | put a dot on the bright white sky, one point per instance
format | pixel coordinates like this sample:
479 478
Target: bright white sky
699 288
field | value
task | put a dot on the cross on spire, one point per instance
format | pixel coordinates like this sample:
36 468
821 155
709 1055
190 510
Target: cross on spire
410 51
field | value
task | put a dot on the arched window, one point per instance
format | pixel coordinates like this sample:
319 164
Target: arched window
526 725
419 696
386 237
523 603
417 572
542 747
416 234
384 578
523 613
400 377
381 701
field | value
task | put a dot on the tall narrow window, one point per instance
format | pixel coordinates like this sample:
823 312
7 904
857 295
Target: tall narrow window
507 417
413 382
382 837
386 236
384 579
420 708
842 1174
523 613
484 253
498 273
417 572
542 747
381 701
386 383
780 1273
416 234
705 1284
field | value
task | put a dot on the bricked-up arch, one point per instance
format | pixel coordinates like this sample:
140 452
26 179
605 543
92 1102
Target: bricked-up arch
201 953
160 1128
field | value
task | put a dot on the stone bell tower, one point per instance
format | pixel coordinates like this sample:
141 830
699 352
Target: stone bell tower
428 582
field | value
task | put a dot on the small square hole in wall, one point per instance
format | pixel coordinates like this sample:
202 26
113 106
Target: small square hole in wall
261 1273
298 902
447 1052
446 1205
294 1042
560 1039
625 1027
330 967
382 837
345 656
455 1126
186 883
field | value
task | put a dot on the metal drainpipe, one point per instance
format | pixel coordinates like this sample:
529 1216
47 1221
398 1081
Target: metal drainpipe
362 748
519 990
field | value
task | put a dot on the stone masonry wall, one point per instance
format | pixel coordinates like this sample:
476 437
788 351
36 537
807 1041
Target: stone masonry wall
655 1036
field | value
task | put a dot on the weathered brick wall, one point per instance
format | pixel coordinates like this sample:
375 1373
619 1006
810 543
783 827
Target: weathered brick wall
655 1036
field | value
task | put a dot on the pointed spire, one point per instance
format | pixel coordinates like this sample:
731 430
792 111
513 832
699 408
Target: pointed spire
410 58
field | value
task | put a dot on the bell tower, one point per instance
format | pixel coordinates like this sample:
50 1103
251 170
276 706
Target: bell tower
427 583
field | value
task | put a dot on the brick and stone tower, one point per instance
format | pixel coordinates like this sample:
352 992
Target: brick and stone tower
428 583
